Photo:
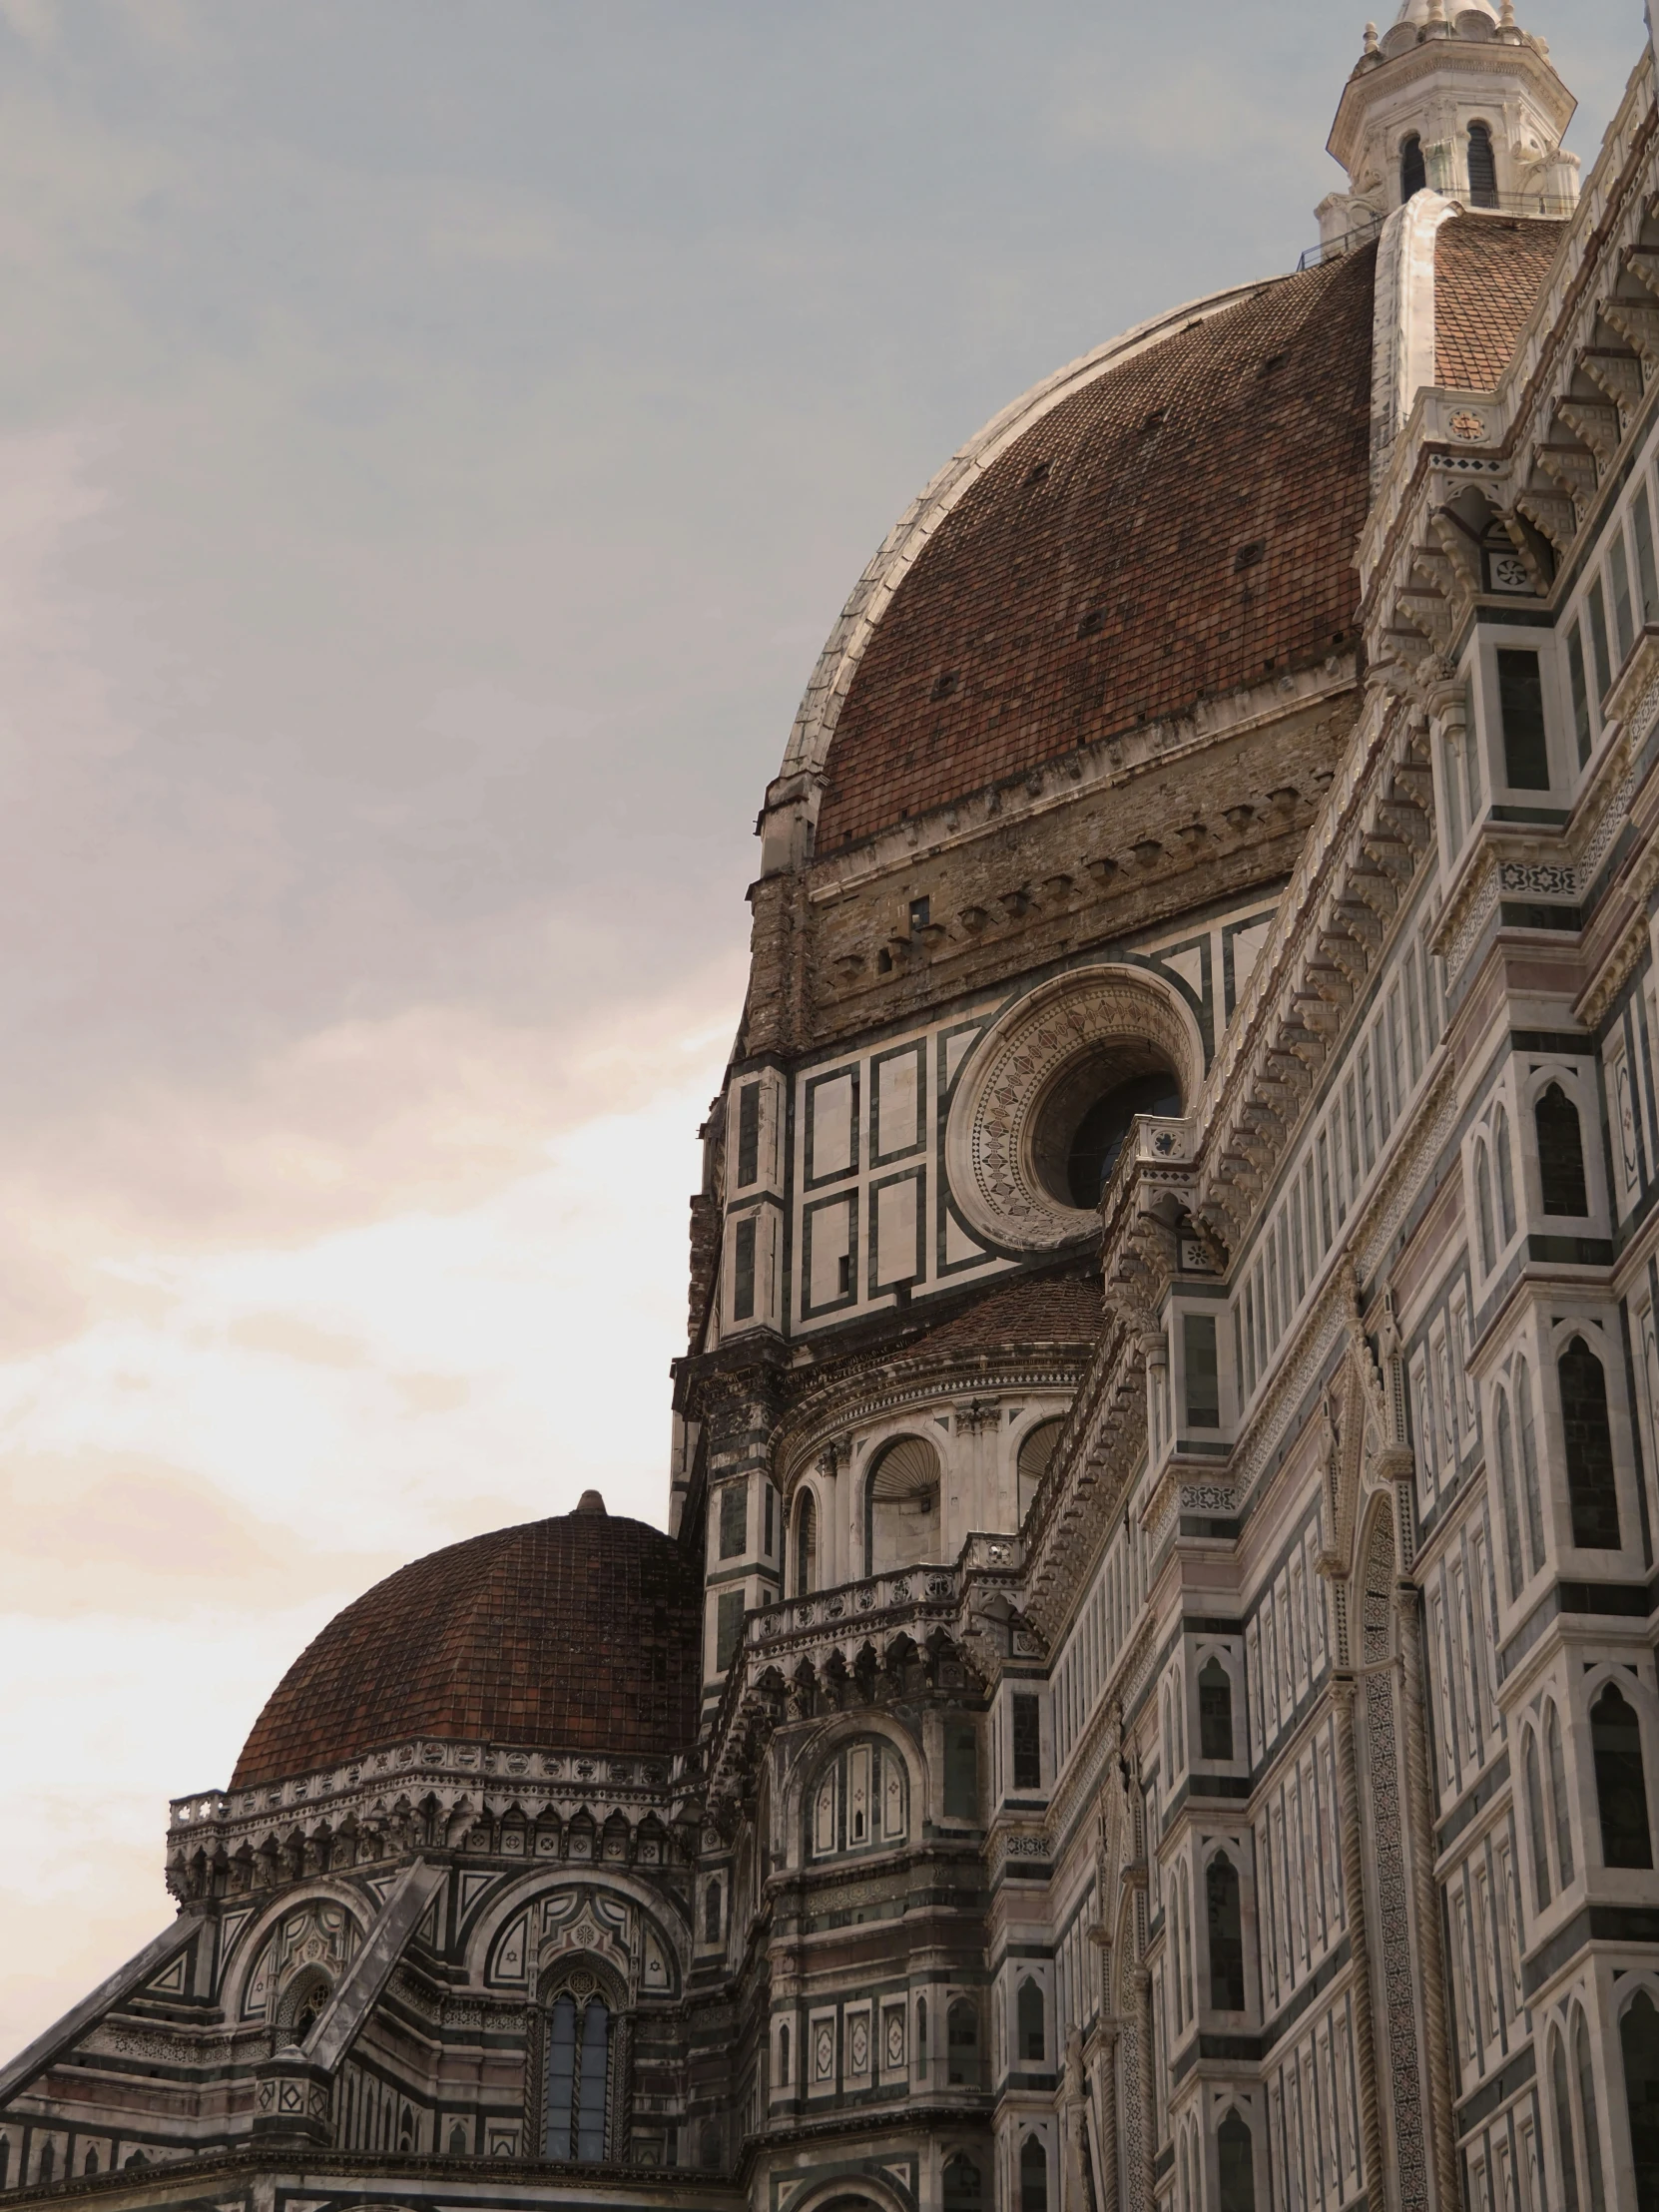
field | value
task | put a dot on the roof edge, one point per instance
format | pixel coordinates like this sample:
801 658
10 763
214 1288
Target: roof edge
793 793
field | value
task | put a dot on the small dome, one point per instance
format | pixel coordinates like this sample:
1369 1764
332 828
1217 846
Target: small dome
575 1634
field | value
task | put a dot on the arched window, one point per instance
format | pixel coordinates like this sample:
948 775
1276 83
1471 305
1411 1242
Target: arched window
805 1545
1030 2022
1528 1441
1482 167
1483 1209
1236 2168
1639 2042
1506 1174
1506 1495
1033 2176
1535 1822
1186 1947
962 2044
1558 1793
457 2141
1591 1491
1414 175
964 2185
1227 1971
1036 1448
711 1911
1564 2149
1560 1153
902 1507
48 2166
1215 1710
1589 2114
1621 1784
89 2165
1186 2184
577 2077
921 2038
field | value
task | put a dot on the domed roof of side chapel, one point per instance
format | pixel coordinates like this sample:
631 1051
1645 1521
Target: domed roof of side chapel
579 1633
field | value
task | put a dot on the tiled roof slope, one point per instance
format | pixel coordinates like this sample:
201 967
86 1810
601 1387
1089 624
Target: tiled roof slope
1183 524
577 1634
1051 1311
1488 271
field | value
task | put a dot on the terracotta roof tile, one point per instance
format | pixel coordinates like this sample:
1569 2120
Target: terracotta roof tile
1488 271
580 1635
1044 1311
1183 524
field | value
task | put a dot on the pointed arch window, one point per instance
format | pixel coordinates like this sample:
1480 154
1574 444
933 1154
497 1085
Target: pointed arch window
1639 2045
962 2044
1483 1210
1227 1970
1413 171
1215 1710
1035 1451
1588 2113
1527 1438
1592 1492
1558 1793
1482 167
1565 2151
1560 1153
1506 1174
1033 2176
1535 1821
1506 1495
1031 2010
805 1545
1235 2166
579 2043
1621 1781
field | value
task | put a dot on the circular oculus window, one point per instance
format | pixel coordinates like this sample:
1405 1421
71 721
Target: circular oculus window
1042 1108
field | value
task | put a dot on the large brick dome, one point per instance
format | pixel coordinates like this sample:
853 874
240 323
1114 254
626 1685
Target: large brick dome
574 1634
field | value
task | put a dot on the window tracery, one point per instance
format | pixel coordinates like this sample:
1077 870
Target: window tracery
859 1802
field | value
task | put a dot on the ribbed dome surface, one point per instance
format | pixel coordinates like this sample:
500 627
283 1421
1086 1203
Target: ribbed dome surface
580 1633
1180 527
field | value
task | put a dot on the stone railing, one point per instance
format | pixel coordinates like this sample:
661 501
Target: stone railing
831 1615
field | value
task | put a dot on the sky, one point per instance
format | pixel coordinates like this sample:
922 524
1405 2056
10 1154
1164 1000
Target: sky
435 439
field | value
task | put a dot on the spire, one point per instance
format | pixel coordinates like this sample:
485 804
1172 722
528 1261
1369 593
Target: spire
1457 100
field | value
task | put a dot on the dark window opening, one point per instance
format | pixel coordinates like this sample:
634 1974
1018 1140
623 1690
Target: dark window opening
772 1517
944 687
1028 1757
1560 1153
1647 571
783 2057
1639 2042
711 1913
921 2038
743 1272
1621 1784
964 2185
1482 167
1099 1136
1198 1334
1032 2042
1236 2168
1535 1823
1250 556
734 1519
805 1545
749 1134
1413 173
921 912
843 1275
90 2164
1591 1490
961 1772
1520 695
728 1628
1033 2176
457 2141
962 2035
1563 2125
1226 1969
48 2165
1214 1711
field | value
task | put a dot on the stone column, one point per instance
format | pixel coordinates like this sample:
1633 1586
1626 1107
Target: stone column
1353 1886
1106 2088
1425 1895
